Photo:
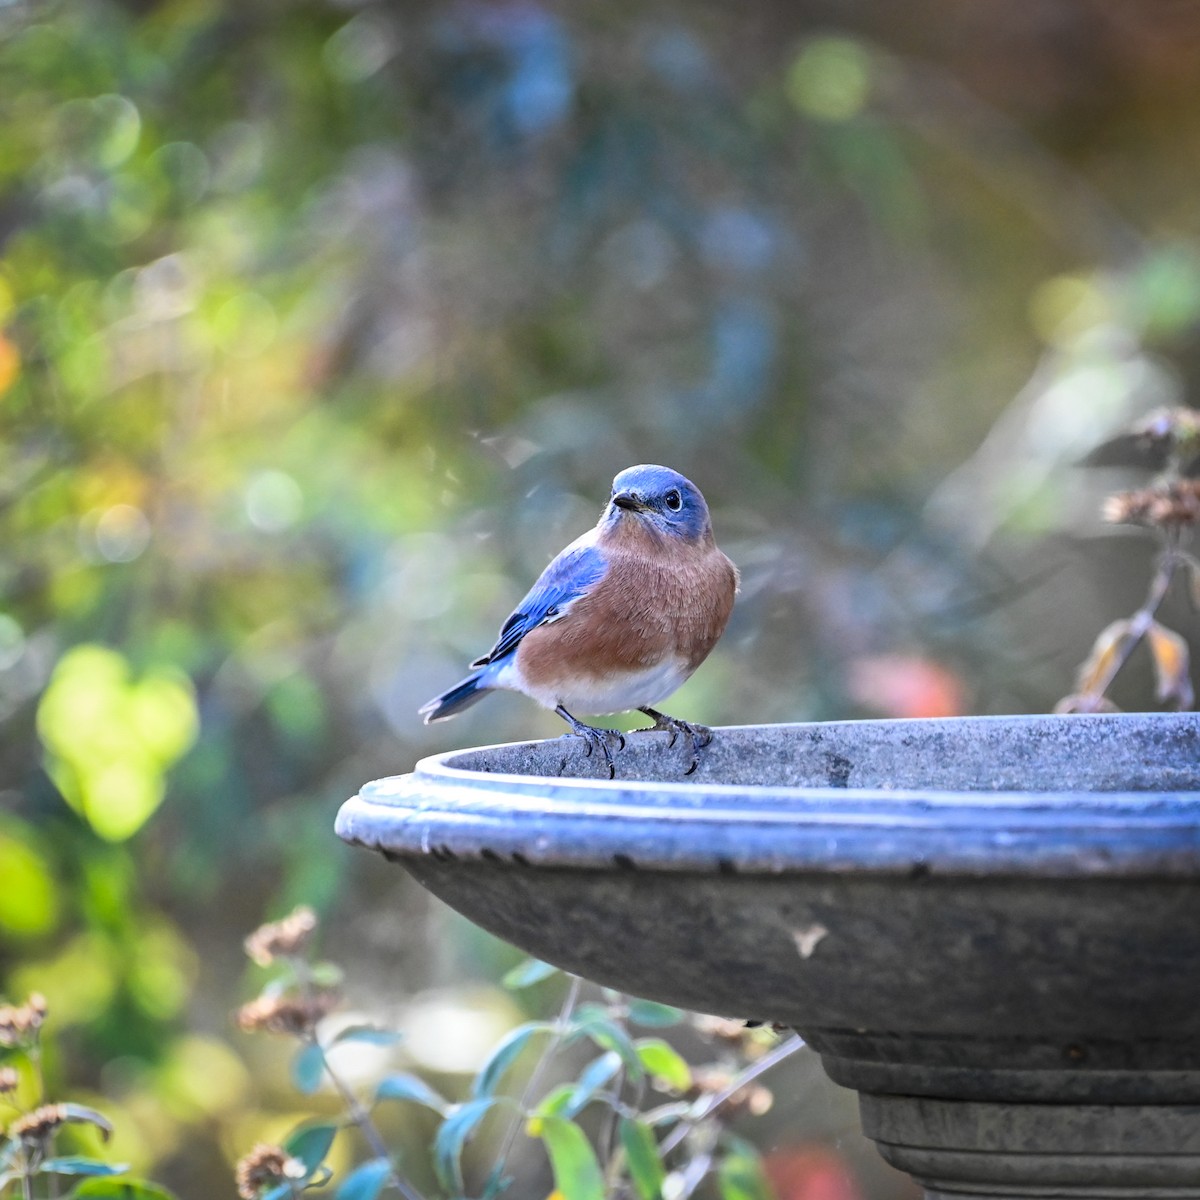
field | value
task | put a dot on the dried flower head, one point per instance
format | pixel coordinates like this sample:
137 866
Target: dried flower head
1168 506
282 938
37 1126
9 1080
724 1029
297 1016
19 1024
266 1166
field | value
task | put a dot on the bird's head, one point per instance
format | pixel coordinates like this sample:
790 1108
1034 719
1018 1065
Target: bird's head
661 498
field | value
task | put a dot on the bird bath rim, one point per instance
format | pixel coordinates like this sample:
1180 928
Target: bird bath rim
548 813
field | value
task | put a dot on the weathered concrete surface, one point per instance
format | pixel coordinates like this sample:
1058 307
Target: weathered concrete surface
990 927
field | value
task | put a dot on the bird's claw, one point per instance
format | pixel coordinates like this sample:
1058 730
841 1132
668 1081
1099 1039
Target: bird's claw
698 736
597 737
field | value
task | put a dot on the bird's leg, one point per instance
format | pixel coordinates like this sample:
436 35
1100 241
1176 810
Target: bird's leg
594 736
698 736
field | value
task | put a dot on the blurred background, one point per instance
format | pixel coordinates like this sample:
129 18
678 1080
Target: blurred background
323 325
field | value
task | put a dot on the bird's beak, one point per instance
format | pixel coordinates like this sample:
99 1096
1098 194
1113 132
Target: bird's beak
628 501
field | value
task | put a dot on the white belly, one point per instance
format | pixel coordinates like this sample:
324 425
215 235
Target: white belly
609 694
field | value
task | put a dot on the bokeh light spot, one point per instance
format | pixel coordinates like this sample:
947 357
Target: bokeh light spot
274 501
453 1032
245 325
8 301
359 48
119 127
830 79
12 642
1066 306
122 533
28 899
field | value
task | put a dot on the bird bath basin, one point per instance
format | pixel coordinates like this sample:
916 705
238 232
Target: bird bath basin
989 927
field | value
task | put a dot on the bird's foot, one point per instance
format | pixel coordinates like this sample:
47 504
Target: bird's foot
698 736
596 738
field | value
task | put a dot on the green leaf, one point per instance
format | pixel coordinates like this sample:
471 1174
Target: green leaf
81 1166
525 974
656 1016
402 1086
641 1152
664 1063
365 1182
577 1174
505 1054
555 1101
120 1189
593 1022
593 1077
456 1129
308 1068
740 1177
310 1143
367 1034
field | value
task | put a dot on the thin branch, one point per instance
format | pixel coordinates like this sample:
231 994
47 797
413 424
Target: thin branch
359 1116
772 1058
1141 621
539 1071
362 1119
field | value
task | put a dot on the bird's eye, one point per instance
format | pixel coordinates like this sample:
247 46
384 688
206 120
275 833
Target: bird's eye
674 501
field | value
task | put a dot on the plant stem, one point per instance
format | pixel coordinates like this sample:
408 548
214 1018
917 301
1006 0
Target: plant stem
539 1071
361 1118
695 1173
772 1058
34 1054
1140 621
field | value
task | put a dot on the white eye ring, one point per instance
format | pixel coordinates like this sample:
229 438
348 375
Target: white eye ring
674 501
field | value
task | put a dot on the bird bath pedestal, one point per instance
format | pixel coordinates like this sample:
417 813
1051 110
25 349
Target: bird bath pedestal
989 927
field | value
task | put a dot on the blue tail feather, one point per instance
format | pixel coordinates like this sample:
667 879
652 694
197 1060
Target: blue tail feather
462 695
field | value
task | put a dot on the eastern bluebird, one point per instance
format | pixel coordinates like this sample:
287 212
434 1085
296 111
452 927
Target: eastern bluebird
619 619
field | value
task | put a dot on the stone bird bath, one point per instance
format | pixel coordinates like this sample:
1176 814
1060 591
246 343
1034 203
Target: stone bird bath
989 927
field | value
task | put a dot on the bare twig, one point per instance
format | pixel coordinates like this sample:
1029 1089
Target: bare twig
772 1058
539 1071
1140 623
358 1114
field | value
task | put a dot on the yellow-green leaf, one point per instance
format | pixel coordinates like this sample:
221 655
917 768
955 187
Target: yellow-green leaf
664 1063
577 1173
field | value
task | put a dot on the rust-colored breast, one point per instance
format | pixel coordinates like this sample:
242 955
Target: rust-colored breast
657 601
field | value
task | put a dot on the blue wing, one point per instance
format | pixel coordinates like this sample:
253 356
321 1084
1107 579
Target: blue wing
574 572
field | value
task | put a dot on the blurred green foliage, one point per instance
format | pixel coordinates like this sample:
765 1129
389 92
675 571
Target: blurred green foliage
323 325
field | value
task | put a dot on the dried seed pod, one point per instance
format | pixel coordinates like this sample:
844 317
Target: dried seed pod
265 1166
282 938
